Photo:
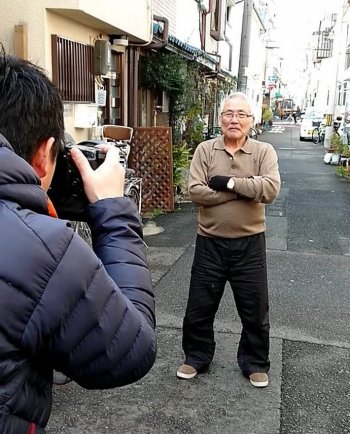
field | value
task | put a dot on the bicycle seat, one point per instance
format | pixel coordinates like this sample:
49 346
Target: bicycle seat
117 133
120 144
92 142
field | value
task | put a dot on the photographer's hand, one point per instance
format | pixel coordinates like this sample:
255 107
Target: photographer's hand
107 180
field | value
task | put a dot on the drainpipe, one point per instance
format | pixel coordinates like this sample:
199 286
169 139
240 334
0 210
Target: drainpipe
133 85
218 65
161 44
229 43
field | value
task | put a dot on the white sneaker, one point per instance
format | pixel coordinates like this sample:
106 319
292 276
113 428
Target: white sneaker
259 379
186 372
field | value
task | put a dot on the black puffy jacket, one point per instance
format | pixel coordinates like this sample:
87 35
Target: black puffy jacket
62 306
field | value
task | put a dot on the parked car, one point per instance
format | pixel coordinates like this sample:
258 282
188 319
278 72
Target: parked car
311 120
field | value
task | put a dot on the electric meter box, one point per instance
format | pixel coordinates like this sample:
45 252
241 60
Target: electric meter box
102 56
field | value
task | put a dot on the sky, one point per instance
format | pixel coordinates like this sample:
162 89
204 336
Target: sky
297 19
295 22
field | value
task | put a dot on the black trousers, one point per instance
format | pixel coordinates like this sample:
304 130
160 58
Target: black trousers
242 263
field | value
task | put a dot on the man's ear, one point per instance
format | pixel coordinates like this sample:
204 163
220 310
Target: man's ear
42 157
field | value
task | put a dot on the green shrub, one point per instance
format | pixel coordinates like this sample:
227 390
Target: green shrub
337 143
342 171
267 115
181 164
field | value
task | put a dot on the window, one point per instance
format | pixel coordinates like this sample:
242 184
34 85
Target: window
218 20
345 90
228 13
347 57
73 69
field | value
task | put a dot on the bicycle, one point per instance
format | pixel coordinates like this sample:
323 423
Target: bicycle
253 133
318 134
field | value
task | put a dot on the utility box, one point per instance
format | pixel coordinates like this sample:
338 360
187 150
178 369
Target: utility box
102 56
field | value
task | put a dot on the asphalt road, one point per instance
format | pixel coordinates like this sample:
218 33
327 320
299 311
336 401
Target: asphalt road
308 240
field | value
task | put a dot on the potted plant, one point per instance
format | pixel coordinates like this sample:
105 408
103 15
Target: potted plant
181 164
337 143
338 148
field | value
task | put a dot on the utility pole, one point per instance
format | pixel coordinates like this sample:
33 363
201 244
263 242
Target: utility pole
338 30
245 46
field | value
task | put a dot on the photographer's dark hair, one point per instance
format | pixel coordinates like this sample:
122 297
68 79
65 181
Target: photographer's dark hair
31 108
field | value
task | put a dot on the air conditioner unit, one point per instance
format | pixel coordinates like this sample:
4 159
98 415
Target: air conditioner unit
102 56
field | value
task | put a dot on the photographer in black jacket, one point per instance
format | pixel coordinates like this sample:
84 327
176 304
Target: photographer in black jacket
88 314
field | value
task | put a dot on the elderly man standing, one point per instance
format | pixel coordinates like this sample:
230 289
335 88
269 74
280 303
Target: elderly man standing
232 177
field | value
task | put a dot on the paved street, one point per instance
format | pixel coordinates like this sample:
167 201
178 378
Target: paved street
308 240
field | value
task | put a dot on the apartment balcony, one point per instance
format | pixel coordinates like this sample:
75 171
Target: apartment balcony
323 47
323 39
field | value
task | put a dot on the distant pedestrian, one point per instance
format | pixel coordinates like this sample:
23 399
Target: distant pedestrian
294 115
290 117
231 178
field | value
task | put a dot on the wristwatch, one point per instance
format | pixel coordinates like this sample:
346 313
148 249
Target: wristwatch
231 184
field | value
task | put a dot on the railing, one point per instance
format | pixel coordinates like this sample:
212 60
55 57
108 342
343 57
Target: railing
72 69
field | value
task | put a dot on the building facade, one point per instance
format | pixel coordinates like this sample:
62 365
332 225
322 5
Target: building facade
61 35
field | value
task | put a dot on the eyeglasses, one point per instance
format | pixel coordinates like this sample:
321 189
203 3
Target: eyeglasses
239 115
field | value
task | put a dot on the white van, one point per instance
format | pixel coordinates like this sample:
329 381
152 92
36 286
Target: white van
311 120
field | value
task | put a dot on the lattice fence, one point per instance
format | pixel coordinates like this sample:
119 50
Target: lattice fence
151 158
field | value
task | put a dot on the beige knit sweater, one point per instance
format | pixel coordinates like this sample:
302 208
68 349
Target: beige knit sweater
257 182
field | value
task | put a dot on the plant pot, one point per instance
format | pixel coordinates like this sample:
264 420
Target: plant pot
335 159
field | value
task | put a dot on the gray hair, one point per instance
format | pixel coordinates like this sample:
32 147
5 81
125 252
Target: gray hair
239 95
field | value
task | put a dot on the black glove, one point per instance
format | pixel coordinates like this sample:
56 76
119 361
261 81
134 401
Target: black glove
219 183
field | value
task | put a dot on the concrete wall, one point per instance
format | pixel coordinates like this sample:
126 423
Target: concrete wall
133 17
30 13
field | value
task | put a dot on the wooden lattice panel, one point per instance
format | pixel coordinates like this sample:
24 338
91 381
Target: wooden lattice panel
151 158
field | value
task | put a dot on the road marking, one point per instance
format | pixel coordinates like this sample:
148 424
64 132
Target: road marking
277 129
344 245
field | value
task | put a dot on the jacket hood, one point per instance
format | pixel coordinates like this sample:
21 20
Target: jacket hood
18 180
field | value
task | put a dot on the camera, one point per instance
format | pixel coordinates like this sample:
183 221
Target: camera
67 190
